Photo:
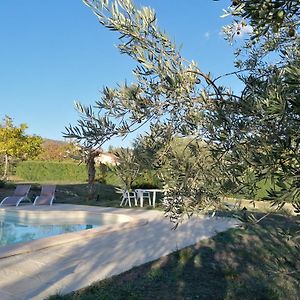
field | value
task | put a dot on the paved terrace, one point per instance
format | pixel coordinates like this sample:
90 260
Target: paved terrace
77 264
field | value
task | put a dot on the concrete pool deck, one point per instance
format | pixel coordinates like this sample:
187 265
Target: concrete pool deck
77 263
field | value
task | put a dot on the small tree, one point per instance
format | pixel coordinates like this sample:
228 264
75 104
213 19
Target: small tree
128 167
186 171
16 145
86 155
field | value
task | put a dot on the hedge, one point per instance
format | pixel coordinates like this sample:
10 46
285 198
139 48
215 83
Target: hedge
72 172
51 170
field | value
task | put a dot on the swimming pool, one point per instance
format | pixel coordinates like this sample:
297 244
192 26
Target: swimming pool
19 228
29 228
14 229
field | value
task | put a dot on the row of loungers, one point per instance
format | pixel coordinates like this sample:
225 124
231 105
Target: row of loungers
21 194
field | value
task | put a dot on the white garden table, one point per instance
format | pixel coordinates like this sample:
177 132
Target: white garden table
140 194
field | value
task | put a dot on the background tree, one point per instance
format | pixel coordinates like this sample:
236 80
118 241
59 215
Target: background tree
16 145
56 150
128 167
185 169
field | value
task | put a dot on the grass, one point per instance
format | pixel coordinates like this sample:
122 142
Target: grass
263 187
257 262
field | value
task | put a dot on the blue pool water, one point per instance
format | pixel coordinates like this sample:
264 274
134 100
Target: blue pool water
17 230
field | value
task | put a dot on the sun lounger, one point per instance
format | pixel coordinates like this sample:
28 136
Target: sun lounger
47 195
20 194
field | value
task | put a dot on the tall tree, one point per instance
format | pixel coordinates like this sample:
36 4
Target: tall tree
16 145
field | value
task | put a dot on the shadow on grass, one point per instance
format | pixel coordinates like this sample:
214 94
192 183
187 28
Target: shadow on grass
259 262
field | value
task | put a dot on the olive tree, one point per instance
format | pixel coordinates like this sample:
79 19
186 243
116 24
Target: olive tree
250 136
261 128
170 93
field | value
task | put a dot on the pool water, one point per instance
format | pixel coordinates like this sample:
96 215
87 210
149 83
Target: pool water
14 229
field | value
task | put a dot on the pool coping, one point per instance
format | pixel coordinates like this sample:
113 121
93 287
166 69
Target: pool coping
46 242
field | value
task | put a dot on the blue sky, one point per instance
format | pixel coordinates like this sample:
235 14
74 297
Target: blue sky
55 52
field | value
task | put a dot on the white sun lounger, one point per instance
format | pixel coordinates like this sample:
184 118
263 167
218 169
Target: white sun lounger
20 194
47 195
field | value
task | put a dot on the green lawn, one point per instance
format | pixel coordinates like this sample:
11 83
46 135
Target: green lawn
262 187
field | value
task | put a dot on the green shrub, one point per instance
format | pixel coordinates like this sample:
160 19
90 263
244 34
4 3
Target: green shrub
112 179
71 171
62 171
2 183
148 180
144 185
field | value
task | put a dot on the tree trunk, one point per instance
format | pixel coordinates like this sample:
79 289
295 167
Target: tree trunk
91 176
4 177
91 172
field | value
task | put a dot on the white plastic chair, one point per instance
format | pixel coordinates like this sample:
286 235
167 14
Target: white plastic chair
126 198
143 195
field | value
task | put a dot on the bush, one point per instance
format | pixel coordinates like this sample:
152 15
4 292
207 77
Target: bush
147 180
112 179
72 172
144 185
62 171
2 183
